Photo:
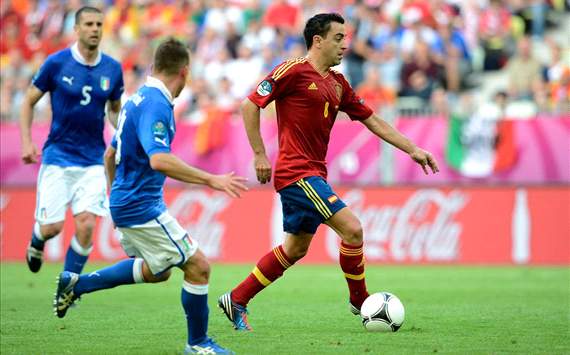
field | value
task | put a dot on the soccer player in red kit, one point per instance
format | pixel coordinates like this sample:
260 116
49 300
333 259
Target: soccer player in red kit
308 95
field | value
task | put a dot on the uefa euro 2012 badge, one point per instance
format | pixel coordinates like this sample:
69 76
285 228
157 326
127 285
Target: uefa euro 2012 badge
159 133
264 88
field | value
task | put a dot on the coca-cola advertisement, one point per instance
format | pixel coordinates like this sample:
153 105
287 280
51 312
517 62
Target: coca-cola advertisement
461 225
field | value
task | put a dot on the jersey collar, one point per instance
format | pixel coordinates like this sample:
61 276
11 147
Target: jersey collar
157 83
79 58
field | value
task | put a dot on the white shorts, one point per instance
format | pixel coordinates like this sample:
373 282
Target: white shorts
85 188
161 242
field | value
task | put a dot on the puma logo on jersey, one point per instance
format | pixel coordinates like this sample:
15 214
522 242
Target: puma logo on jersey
161 141
313 86
68 80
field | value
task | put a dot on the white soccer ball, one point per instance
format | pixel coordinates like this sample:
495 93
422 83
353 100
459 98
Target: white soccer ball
382 312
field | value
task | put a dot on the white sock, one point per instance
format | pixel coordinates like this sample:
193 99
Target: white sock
195 289
37 232
79 249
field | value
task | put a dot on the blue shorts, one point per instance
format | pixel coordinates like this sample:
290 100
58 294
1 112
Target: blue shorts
308 203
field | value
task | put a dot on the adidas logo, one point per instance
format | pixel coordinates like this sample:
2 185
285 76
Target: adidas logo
313 86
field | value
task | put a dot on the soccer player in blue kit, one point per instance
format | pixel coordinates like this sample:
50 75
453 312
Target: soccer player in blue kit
80 80
137 163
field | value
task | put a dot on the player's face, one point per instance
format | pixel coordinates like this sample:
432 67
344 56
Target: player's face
90 29
334 44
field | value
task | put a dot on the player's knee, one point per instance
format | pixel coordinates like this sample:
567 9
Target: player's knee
51 230
163 276
86 226
201 271
353 234
197 269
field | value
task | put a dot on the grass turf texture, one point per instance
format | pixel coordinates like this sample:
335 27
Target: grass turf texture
459 310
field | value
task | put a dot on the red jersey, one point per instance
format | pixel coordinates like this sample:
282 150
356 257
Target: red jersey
307 104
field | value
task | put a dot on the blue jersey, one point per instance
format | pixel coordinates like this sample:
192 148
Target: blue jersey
146 126
78 94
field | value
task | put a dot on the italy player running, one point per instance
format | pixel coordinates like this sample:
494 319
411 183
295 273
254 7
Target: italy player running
80 80
308 94
137 164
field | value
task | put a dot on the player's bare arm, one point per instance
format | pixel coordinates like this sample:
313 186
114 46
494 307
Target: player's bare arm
172 166
29 149
391 135
113 109
251 118
109 161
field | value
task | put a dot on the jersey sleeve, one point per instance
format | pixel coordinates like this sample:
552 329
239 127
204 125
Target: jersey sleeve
352 104
275 85
153 130
43 79
119 85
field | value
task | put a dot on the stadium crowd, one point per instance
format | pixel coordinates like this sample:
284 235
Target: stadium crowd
428 53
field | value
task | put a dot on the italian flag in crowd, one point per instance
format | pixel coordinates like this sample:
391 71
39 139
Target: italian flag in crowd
480 145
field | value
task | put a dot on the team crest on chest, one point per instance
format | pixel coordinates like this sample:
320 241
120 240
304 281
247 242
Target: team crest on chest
338 90
105 83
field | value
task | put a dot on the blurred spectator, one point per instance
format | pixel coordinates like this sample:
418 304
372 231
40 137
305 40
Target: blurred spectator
373 92
283 15
524 72
453 52
420 74
415 30
495 34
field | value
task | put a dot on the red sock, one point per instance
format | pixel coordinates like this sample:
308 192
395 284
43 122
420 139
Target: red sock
352 263
268 269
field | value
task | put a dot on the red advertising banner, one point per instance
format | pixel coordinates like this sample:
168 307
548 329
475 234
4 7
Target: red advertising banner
464 225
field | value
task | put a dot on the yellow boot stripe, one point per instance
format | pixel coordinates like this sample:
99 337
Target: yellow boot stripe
260 277
354 277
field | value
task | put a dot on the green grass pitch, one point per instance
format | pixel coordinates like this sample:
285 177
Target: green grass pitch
449 309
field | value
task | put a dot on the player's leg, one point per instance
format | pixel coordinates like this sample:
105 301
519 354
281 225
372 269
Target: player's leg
301 218
194 298
272 266
155 251
51 203
348 227
70 285
89 200
351 257
81 244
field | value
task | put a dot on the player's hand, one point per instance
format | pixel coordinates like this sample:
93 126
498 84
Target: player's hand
229 183
425 159
29 153
262 168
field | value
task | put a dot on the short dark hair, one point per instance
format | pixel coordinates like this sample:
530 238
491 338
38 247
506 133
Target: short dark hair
171 56
320 25
85 9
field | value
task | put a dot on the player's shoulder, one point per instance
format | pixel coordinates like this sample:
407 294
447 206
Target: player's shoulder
110 60
338 76
153 99
289 67
60 56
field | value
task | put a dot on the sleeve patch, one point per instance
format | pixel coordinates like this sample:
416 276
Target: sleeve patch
264 88
159 129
